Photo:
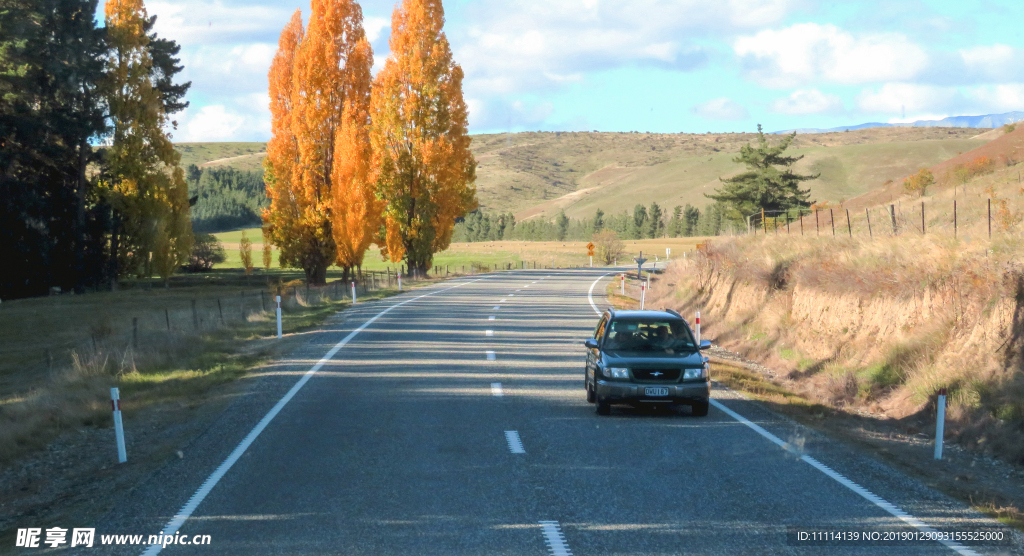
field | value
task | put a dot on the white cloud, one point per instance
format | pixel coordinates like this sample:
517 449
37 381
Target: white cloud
374 26
531 45
244 118
895 98
807 101
997 61
721 109
809 53
195 22
1007 97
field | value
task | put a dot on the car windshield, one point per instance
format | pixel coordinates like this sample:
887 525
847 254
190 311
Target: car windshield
668 336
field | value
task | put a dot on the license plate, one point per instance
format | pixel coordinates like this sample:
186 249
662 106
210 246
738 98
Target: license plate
656 391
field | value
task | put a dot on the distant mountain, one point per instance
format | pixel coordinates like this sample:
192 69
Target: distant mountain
988 121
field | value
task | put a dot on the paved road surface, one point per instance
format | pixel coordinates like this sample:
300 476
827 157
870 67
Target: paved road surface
456 424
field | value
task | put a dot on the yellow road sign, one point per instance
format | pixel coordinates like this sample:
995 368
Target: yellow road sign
590 252
590 246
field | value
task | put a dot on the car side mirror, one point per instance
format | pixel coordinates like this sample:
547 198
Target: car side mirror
705 344
590 343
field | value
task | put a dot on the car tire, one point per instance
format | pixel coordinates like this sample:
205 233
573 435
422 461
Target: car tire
699 409
590 394
603 407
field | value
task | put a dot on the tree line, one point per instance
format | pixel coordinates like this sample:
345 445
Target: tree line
355 160
643 223
91 185
226 198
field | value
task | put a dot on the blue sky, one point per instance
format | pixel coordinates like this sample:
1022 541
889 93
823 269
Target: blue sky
645 65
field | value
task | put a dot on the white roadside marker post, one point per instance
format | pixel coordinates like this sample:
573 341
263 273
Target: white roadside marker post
279 316
591 261
698 329
353 293
643 294
668 251
399 282
940 423
622 280
115 403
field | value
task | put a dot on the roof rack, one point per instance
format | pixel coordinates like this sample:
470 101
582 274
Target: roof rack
673 312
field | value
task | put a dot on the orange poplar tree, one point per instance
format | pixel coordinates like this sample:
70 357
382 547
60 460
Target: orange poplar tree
330 65
281 217
421 163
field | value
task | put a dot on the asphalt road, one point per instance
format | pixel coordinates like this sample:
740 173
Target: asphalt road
400 444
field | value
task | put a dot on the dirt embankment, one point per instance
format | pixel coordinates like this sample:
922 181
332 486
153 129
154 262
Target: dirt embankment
876 328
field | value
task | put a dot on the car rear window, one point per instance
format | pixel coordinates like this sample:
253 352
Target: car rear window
669 336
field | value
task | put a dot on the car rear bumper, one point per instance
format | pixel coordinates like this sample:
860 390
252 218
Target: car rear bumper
627 392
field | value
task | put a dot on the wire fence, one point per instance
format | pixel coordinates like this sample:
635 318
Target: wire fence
964 217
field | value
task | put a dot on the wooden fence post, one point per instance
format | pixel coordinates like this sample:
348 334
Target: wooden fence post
892 215
832 220
817 228
167 317
867 214
990 218
849 227
922 218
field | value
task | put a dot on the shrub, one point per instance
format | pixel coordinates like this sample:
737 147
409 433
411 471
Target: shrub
919 182
1008 128
608 246
245 252
206 252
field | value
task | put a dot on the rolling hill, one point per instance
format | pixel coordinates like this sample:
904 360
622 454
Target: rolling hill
536 174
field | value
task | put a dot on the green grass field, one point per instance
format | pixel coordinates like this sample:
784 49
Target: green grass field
241 156
489 254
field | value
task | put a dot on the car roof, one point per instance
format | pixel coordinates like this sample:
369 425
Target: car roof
645 315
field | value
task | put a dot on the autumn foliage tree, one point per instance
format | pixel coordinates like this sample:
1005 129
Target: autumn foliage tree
421 163
281 217
919 182
314 77
142 180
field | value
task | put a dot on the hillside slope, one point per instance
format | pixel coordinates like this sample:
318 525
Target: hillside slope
535 174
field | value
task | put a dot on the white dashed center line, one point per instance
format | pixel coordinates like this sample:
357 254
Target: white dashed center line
489 333
491 356
496 307
503 300
515 445
554 539
519 290
490 317
496 390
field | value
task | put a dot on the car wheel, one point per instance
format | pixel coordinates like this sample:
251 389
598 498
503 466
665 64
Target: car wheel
700 409
590 394
603 407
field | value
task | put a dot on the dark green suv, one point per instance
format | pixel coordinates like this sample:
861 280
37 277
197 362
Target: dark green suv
646 357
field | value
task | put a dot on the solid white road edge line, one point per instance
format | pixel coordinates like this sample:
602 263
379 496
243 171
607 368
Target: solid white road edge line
554 538
496 390
863 492
186 511
515 445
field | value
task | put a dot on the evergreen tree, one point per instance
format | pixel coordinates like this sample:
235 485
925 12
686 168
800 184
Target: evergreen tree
598 221
691 216
639 222
675 224
769 182
562 222
655 225
51 226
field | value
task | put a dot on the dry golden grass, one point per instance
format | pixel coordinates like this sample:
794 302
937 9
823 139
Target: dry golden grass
877 324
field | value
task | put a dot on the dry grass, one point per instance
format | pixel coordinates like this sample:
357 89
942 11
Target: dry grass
876 324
